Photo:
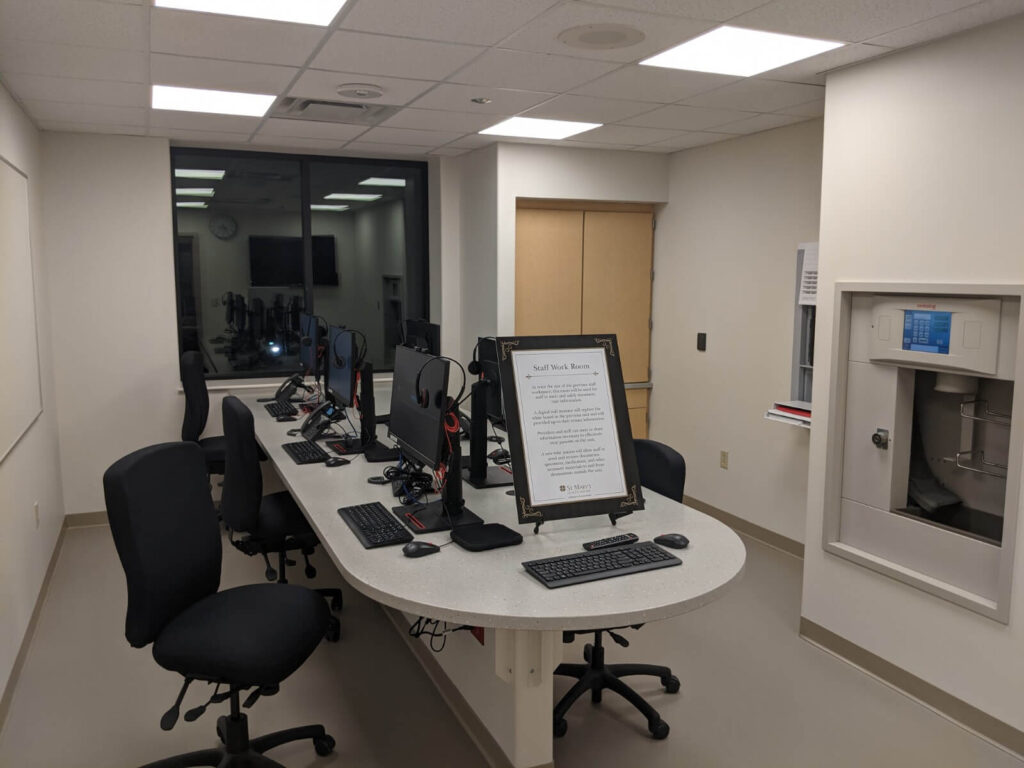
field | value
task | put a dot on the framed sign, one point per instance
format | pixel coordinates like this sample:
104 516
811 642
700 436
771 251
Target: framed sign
568 427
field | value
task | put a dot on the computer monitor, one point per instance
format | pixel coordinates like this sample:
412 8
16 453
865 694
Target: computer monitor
341 366
424 336
485 406
309 342
419 409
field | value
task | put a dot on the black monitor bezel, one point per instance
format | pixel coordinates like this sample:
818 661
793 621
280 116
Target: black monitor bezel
433 373
426 332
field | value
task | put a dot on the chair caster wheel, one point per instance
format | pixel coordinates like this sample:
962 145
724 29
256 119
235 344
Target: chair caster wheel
324 745
333 633
310 572
560 728
671 684
271 574
337 603
658 729
588 651
221 729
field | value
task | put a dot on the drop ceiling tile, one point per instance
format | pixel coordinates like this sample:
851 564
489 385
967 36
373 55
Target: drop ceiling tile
689 139
814 108
234 38
392 56
813 70
656 149
26 57
590 109
474 141
321 84
950 23
104 128
479 22
660 32
295 142
569 143
220 75
653 84
50 111
409 137
448 151
439 120
82 22
757 96
503 101
308 129
209 137
714 10
69 89
624 134
851 21
374 149
500 68
198 121
680 118
759 123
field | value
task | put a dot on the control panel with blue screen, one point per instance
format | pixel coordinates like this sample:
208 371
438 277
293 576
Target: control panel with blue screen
926 331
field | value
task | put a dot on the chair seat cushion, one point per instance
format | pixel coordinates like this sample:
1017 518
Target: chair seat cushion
280 518
253 635
214 449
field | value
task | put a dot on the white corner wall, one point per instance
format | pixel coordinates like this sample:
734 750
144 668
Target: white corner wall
725 264
109 255
31 472
923 180
477 279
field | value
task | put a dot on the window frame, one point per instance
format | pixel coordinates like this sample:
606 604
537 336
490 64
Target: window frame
305 162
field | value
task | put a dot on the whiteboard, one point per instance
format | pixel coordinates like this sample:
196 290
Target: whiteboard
19 365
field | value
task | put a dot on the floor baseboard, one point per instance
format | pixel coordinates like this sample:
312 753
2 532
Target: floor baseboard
738 524
959 711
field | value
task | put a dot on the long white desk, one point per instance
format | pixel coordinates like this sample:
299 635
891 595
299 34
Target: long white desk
491 589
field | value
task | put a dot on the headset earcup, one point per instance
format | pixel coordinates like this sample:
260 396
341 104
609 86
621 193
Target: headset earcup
473 368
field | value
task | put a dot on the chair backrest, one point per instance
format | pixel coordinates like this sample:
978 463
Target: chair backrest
243 479
662 469
166 533
197 399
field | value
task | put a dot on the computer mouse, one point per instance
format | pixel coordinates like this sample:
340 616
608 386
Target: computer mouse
499 454
674 540
419 549
285 418
336 461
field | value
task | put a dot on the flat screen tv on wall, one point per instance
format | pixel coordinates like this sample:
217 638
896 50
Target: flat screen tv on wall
275 261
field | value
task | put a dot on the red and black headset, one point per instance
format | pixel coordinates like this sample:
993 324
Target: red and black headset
423 395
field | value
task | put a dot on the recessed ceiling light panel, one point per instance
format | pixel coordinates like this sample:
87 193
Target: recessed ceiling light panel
318 12
740 52
194 191
362 198
600 37
380 181
214 102
328 207
198 173
195 204
536 128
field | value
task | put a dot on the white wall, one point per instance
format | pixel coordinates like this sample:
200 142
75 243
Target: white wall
923 180
108 250
31 472
478 277
725 264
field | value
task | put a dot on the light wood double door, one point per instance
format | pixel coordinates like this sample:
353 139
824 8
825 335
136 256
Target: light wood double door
589 271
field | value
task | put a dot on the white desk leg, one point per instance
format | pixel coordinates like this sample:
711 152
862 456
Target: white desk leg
526 660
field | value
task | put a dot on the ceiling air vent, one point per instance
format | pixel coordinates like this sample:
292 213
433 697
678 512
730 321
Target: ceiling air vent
320 111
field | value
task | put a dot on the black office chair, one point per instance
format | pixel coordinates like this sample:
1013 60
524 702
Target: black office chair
197 408
166 534
663 471
272 523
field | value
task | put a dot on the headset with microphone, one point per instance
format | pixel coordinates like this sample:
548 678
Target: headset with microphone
474 367
360 356
423 395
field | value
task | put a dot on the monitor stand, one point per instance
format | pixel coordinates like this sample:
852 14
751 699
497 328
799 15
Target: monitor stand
372 448
478 473
450 509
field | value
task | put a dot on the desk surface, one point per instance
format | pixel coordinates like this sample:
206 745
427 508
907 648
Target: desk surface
491 589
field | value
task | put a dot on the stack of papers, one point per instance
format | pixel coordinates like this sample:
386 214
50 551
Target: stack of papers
795 412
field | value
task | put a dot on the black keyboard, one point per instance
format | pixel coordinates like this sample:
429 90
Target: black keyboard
277 408
578 567
374 526
305 452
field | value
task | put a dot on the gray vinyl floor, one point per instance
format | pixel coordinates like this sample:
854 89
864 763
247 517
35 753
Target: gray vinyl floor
754 693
